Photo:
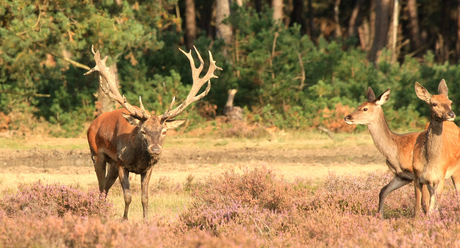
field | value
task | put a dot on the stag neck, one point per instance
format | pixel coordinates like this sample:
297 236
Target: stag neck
383 137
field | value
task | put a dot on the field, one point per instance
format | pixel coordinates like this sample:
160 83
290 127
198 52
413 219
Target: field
289 189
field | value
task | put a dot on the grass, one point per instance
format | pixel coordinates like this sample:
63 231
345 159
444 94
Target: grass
171 204
280 140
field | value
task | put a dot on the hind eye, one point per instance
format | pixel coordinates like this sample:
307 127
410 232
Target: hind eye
434 104
164 132
365 109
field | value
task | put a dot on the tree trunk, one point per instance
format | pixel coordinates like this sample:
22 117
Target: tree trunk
338 29
372 17
458 30
105 104
223 31
190 23
297 14
382 8
352 24
277 6
311 25
394 31
258 5
415 38
445 34
233 112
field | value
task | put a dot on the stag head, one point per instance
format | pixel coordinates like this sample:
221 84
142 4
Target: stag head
151 129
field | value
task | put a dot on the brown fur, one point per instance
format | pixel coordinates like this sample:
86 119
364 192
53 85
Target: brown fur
128 145
436 155
397 148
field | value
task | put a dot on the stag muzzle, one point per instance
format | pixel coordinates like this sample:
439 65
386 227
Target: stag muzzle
154 149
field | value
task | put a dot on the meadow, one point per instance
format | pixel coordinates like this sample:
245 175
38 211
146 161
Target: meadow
286 190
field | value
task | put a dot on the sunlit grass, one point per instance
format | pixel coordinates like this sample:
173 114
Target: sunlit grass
279 140
44 143
167 205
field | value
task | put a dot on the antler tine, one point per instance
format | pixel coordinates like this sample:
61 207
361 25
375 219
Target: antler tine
110 88
197 83
144 112
166 116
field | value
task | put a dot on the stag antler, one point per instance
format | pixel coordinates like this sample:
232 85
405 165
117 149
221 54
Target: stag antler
197 84
110 88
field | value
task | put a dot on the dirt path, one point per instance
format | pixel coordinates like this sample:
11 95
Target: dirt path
75 166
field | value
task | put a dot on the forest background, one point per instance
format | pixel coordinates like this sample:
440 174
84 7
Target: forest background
297 64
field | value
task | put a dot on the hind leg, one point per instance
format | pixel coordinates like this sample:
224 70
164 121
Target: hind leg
112 176
100 164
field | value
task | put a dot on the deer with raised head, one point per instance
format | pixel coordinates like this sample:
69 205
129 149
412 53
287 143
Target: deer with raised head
131 139
437 150
397 148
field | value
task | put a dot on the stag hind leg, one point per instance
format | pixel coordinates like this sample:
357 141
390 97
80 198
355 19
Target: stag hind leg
112 175
100 163
123 174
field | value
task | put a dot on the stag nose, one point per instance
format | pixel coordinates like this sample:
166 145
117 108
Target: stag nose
155 149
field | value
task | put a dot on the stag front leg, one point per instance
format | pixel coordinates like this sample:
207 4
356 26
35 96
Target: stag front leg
123 174
145 179
432 188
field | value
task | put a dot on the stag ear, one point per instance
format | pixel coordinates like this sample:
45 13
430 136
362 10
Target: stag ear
172 124
131 119
370 94
422 93
383 98
442 88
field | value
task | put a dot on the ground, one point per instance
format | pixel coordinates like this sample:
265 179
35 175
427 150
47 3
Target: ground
310 157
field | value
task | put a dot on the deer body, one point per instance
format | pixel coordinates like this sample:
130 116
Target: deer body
111 135
130 140
397 148
436 152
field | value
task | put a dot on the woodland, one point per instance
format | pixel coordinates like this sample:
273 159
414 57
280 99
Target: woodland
297 64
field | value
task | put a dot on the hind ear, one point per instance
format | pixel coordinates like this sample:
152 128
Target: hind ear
370 94
131 120
383 98
422 93
442 88
172 124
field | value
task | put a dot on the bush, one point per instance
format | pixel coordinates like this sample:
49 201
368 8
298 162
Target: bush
54 200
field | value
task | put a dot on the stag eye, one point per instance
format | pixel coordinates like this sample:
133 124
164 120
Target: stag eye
365 109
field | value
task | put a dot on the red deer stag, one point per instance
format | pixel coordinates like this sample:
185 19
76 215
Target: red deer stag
131 139
397 148
436 152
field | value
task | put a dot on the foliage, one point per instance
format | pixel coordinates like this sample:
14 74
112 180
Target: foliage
42 200
284 78
254 208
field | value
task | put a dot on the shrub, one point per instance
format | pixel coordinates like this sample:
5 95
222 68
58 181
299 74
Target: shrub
54 199
258 187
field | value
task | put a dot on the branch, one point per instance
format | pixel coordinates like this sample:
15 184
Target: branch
73 62
23 94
